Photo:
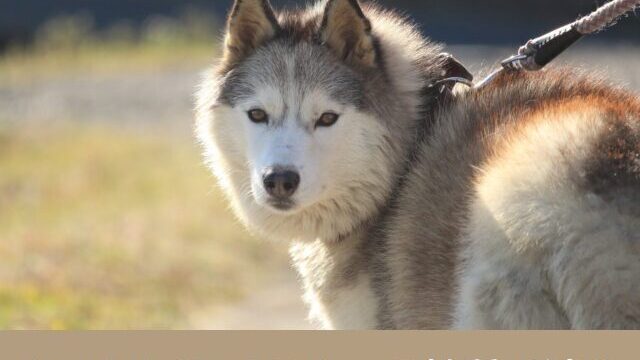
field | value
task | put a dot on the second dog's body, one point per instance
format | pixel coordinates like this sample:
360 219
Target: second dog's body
515 206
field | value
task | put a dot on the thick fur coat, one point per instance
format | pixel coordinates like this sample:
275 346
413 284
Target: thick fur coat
511 207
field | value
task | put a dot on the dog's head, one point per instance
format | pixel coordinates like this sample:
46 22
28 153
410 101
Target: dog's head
309 117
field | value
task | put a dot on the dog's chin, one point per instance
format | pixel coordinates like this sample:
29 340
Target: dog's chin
282 207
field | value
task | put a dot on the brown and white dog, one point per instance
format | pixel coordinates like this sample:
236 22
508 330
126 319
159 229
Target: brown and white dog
512 207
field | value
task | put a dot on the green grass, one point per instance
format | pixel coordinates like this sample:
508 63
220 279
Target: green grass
107 228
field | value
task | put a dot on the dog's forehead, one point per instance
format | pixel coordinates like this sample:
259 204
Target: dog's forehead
301 68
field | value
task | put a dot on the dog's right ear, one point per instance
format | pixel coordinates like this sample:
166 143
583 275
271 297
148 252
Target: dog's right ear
250 24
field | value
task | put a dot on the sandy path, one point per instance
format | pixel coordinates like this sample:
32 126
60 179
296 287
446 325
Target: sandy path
276 306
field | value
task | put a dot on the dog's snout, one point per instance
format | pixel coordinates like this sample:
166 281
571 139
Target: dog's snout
280 183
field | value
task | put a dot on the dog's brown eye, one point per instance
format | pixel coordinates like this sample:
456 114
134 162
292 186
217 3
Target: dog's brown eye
327 119
258 116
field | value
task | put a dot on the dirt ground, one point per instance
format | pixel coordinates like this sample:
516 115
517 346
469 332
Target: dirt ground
275 306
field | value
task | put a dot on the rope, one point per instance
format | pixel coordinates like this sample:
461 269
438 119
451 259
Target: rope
605 16
537 53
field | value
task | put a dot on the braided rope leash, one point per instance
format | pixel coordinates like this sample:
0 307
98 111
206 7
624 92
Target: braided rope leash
537 53
605 16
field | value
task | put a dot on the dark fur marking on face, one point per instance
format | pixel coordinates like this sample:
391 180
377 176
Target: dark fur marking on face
234 87
313 69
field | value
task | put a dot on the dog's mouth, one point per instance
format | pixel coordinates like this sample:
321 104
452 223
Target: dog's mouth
282 205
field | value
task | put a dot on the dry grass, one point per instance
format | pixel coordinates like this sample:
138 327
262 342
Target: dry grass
112 228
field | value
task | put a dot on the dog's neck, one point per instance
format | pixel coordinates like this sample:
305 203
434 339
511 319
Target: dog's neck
335 272
336 282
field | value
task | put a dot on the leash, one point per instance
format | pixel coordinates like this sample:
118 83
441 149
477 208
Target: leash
538 52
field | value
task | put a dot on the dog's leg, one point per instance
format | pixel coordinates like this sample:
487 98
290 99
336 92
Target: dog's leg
500 288
596 275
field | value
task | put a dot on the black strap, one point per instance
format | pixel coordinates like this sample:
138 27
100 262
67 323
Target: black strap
537 53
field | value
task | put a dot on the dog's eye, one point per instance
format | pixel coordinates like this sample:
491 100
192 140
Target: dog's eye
327 119
258 116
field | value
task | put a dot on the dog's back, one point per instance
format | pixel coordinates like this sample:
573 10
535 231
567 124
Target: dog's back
524 210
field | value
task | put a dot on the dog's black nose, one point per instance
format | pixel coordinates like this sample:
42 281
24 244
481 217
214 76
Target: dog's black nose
280 183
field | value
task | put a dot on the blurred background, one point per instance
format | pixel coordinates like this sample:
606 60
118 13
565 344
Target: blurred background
108 219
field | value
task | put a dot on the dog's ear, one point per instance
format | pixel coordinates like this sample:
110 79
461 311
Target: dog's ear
346 30
250 24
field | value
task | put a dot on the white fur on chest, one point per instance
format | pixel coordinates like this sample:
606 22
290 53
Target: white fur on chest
351 307
337 285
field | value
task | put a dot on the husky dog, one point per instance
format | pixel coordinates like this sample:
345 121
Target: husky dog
512 207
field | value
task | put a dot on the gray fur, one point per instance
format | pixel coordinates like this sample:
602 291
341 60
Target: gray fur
314 68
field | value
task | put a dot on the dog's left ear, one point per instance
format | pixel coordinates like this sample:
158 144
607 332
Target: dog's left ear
346 30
